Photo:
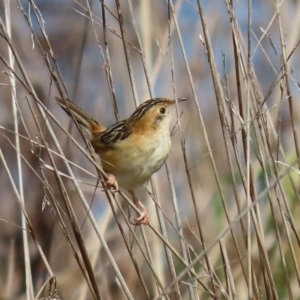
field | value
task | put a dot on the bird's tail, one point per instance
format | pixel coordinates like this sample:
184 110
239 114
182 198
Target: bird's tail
81 116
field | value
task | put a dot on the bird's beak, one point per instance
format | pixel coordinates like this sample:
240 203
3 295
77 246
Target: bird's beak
181 100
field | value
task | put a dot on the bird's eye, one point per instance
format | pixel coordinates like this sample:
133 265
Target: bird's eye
162 110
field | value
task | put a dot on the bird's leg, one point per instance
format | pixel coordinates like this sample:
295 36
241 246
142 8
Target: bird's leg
144 216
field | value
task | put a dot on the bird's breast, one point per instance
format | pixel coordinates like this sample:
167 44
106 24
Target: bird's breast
133 160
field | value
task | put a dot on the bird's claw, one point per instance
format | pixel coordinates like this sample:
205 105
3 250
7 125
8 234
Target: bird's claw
111 183
144 218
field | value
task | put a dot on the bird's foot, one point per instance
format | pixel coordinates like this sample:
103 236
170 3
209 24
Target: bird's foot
111 183
143 219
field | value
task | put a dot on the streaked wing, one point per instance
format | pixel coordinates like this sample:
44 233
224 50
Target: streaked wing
111 135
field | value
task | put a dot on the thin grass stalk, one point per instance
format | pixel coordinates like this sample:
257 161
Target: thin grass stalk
147 255
183 246
163 229
286 216
288 221
144 51
9 282
182 241
247 157
126 52
256 219
30 228
287 83
290 243
60 87
28 274
78 70
238 201
234 184
228 273
288 213
88 270
281 248
157 269
281 151
128 245
157 249
163 46
106 57
236 50
98 21
265 263
95 253
294 34
78 67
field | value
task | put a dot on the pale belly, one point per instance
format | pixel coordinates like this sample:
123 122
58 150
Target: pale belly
136 162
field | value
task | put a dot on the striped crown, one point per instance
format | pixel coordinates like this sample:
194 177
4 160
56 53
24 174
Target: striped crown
146 106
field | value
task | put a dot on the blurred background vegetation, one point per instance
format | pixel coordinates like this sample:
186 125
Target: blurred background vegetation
224 207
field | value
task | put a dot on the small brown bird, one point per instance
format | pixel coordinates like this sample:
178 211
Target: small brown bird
133 149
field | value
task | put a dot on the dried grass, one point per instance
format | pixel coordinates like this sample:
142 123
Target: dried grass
223 209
